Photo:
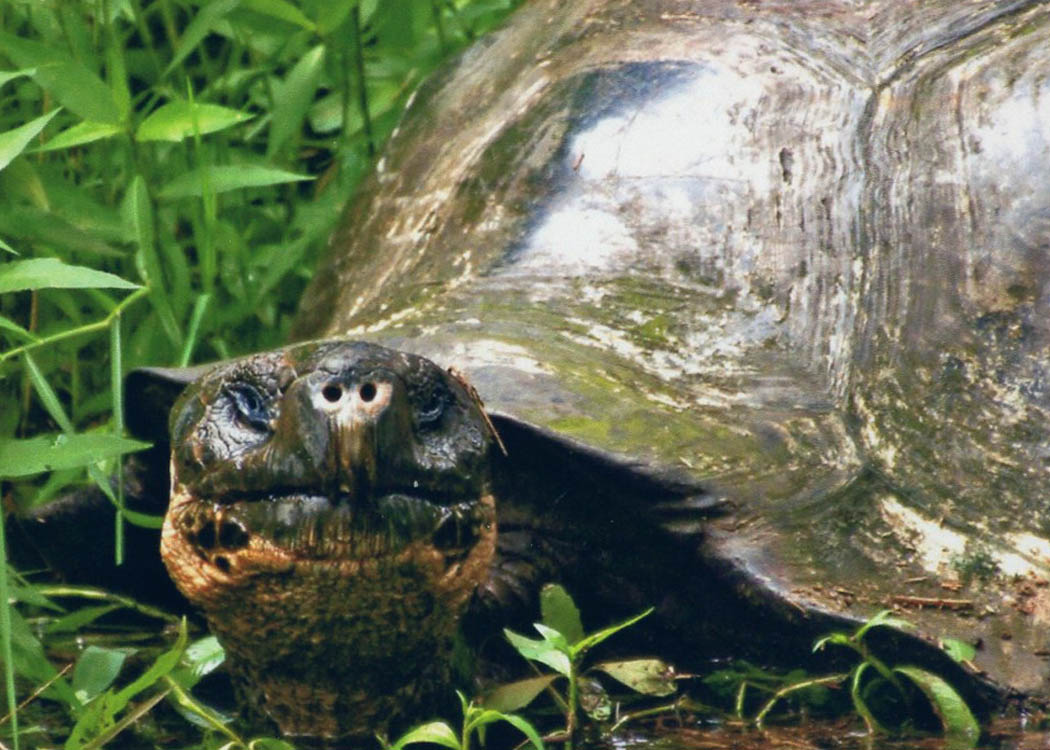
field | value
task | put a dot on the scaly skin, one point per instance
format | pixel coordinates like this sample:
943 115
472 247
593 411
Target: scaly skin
352 535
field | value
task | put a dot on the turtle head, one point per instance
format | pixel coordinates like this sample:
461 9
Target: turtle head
331 513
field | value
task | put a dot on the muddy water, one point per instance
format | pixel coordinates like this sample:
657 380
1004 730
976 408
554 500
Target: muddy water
1003 734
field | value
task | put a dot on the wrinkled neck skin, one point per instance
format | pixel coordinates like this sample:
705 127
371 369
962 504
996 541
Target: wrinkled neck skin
332 515
328 650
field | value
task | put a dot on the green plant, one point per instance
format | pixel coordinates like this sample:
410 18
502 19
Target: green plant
169 171
872 673
564 647
475 719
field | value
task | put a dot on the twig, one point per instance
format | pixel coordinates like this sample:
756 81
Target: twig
926 601
36 693
473 394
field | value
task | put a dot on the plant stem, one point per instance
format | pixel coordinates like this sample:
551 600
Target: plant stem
99 325
788 689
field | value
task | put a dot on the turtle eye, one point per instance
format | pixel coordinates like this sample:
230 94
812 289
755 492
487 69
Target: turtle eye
250 406
432 407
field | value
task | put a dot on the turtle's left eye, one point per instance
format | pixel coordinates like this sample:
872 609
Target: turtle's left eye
433 407
250 406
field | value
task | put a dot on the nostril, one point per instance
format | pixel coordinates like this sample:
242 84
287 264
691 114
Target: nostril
332 393
368 391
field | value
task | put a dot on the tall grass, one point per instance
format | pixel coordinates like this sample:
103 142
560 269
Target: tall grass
169 170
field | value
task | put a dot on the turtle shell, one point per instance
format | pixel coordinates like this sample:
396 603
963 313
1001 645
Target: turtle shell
796 251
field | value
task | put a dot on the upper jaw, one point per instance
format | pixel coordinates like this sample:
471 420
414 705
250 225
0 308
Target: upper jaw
314 526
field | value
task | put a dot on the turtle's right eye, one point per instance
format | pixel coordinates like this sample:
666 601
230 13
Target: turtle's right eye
250 406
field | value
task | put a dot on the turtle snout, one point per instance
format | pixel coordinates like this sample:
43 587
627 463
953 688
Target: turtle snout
360 398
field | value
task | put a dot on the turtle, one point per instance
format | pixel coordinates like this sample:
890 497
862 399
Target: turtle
755 296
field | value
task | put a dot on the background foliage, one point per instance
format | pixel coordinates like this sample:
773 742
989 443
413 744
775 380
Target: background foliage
169 172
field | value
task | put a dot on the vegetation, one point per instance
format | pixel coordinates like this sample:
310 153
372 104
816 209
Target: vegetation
169 170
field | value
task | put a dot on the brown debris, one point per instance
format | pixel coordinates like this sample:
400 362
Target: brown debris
924 602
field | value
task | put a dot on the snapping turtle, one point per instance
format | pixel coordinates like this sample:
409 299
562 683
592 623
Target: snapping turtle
787 260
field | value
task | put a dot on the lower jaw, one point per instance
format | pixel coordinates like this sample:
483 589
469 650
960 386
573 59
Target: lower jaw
329 649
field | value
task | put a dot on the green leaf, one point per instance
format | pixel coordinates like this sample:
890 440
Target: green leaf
884 618
648 676
21 458
7 248
541 651
95 671
51 273
10 75
164 664
436 732
198 28
14 142
138 215
226 178
79 134
72 84
292 98
958 650
202 657
280 10
78 618
560 612
180 119
525 728
13 327
960 727
594 639
858 700
518 694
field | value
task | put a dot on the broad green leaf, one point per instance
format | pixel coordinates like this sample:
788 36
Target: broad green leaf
95 671
560 612
436 732
958 650
198 28
14 142
648 676
79 134
22 458
292 98
225 178
515 695
595 638
180 119
541 651
51 273
960 727
279 9
202 657
73 85
331 14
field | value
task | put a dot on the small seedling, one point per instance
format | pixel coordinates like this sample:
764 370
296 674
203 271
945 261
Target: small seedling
563 647
872 673
475 720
